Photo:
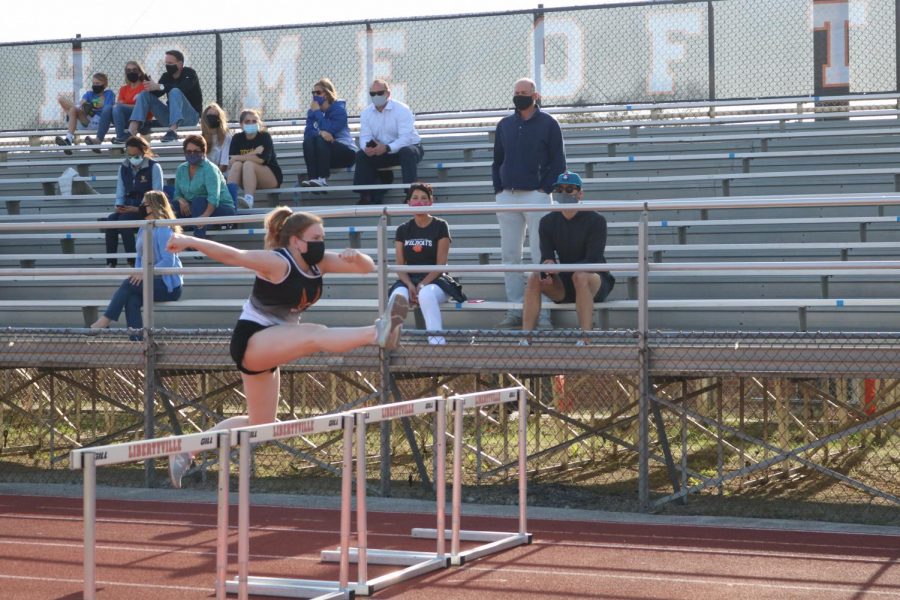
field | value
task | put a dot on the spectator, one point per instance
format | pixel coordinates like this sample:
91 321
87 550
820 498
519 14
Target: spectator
93 112
138 174
253 162
214 128
200 189
327 143
181 86
425 240
269 333
166 288
387 138
135 83
528 155
570 237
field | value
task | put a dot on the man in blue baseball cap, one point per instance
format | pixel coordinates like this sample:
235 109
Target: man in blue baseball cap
569 237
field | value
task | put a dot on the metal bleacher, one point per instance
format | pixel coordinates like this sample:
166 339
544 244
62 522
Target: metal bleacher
852 154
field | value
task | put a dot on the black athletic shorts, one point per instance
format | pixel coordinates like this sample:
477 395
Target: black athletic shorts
240 337
607 282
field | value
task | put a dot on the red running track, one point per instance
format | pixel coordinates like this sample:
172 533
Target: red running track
165 550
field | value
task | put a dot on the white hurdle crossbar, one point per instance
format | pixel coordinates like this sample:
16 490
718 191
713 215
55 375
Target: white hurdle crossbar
496 541
416 563
88 459
247 437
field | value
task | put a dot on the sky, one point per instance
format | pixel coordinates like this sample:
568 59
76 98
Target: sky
65 18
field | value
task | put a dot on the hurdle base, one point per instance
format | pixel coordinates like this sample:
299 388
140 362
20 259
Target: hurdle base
291 588
381 557
389 579
497 541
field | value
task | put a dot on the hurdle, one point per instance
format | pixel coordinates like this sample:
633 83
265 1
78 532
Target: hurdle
245 584
88 459
496 541
416 563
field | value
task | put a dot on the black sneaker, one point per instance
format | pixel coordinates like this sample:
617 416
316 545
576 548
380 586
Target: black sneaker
117 141
64 141
170 136
92 142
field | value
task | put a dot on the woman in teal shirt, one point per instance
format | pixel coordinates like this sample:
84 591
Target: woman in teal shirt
200 187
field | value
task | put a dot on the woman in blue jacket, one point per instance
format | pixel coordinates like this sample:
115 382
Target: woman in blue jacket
327 143
166 288
138 174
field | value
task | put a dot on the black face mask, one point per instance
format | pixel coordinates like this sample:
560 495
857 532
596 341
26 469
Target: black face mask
213 121
315 252
171 69
98 89
522 102
142 211
132 77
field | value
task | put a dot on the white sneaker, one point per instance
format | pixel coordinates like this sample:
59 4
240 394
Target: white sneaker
389 324
248 200
178 466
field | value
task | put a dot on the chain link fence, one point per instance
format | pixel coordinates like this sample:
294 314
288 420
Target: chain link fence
642 53
799 425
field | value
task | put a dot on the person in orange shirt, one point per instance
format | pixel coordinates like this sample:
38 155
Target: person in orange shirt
135 80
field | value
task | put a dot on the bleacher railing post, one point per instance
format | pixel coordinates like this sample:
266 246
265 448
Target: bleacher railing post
643 362
150 358
385 446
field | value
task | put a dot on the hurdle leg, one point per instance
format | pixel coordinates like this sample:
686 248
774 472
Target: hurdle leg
457 482
346 493
222 528
362 540
440 476
90 524
244 518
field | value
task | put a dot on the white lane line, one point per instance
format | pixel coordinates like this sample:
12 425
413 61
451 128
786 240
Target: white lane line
668 579
723 551
153 549
156 586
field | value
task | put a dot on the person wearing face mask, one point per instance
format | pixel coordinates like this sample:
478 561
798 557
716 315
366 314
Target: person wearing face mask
269 333
327 143
93 112
528 155
387 138
139 173
253 163
214 129
135 83
181 86
200 189
425 240
166 288
569 237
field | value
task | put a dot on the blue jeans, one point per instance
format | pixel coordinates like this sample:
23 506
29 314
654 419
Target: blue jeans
367 168
131 297
177 112
321 156
106 115
198 205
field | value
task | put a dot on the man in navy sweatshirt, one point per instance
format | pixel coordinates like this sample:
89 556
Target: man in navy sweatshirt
528 156
570 237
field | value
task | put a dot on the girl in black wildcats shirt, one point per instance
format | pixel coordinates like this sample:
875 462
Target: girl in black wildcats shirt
252 157
425 240
269 333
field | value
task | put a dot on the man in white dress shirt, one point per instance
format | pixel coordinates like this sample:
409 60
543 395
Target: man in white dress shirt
387 138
